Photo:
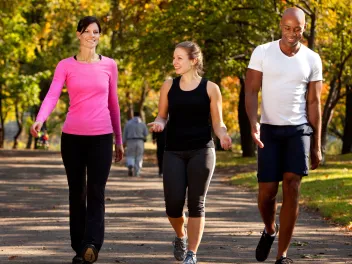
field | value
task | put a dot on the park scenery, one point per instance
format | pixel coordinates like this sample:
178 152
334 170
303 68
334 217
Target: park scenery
140 36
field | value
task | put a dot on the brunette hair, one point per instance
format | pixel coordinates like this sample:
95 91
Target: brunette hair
85 22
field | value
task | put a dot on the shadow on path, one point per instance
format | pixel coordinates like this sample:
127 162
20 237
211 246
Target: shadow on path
34 219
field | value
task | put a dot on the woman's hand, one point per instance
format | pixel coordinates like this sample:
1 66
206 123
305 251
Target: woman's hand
226 142
156 126
35 128
118 152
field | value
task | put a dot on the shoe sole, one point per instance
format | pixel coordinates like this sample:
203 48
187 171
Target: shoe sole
89 255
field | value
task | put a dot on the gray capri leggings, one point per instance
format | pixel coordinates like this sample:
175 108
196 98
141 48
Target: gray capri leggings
190 169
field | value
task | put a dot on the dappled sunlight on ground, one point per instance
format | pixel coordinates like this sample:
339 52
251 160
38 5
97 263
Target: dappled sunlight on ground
34 219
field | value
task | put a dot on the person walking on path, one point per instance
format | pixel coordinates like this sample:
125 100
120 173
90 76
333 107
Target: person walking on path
189 159
87 136
134 135
159 139
290 76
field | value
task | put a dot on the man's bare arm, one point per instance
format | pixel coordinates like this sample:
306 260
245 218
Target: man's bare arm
314 119
253 84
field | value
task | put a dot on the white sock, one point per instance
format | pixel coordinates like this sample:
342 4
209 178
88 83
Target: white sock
270 235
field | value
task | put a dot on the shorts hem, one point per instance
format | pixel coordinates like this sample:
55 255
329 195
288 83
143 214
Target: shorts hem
302 174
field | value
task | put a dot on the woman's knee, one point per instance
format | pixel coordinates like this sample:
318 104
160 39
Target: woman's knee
196 207
174 208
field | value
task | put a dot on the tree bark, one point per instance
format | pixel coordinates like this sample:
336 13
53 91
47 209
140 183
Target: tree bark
29 140
19 124
347 133
129 105
248 148
327 114
2 121
140 107
33 111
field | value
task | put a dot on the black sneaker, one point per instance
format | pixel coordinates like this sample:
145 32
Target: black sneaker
264 245
190 258
180 248
284 260
90 254
77 260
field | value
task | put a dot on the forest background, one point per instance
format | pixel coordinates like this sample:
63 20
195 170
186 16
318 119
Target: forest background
141 35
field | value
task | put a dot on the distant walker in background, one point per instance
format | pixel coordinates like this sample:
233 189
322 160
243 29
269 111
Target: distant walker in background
134 135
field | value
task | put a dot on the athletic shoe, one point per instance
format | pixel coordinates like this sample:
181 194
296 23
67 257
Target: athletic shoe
190 258
284 260
90 254
130 172
180 248
77 260
264 245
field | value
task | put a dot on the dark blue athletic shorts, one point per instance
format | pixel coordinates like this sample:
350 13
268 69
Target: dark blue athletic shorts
286 149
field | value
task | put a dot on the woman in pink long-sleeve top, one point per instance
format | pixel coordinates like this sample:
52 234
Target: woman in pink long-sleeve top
87 136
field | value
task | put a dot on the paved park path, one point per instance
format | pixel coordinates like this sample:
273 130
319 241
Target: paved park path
34 219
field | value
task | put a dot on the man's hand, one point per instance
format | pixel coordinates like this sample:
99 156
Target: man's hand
118 152
256 135
315 158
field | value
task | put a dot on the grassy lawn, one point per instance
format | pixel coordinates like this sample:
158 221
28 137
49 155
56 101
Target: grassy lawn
227 158
327 189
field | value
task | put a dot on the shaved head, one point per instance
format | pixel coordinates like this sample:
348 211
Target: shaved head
293 25
294 13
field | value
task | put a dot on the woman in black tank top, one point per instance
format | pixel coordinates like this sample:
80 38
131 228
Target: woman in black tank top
192 105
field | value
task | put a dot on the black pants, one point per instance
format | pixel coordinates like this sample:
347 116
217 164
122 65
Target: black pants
91 156
187 171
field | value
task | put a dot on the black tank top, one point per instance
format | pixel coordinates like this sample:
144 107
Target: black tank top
189 125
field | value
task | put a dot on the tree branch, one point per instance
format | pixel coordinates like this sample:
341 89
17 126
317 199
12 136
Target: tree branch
308 12
307 6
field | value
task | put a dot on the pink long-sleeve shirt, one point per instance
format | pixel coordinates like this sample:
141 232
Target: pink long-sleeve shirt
94 107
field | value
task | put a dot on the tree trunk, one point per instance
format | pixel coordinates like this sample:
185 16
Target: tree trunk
19 124
2 121
347 133
2 135
30 137
327 113
29 140
140 107
248 148
129 105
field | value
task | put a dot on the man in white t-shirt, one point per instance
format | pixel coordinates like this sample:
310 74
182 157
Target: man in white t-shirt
290 76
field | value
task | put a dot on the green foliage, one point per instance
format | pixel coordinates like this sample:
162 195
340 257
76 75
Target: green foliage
141 36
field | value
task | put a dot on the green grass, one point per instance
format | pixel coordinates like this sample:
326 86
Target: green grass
327 189
228 158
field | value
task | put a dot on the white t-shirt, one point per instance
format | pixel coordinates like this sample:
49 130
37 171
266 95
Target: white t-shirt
285 82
